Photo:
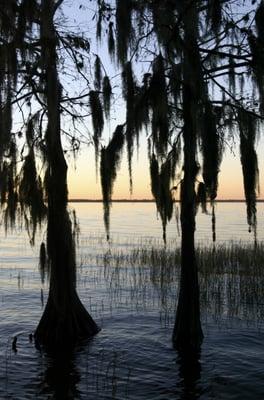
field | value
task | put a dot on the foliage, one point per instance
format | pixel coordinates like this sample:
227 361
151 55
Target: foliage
110 160
249 162
221 46
23 93
107 94
129 91
207 49
97 119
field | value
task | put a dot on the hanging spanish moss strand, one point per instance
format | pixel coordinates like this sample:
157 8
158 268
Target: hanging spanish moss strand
99 21
97 73
159 104
31 194
201 197
166 201
161 179
214 14
211 151
124 28
10 211
3 182
142 105
232 76
249 162
259 16
5 121
8 147
129 88
110 161
256 45
163 14
175 79
97 121
26 15
111 41
154 177
107 95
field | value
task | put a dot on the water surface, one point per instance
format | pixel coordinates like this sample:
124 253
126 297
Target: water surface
132 357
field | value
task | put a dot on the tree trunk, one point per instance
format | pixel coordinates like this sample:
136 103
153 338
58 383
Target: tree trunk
65 319
187 334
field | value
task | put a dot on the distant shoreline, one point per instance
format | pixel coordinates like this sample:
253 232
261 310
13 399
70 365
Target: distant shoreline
150 201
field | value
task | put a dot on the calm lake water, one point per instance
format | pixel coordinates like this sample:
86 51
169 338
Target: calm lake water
132 357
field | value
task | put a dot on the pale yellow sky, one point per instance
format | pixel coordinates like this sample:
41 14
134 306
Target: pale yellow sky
83 184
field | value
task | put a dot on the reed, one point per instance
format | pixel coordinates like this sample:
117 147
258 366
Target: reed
231 278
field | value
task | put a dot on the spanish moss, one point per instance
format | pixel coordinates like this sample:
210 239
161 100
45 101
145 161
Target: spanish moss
31 194
110 161
124 28
257 65
161 185
97 73
159 104
107 95
214 15
142 105
249 162
97 120
211 151
129 88
201 197
111 41
259 17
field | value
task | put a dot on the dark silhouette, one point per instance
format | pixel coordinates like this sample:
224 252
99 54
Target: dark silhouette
65 319
189 374
29 72
14 344
61 376
191 102
192 46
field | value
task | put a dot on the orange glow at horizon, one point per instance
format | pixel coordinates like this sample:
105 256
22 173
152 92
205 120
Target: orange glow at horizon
84 185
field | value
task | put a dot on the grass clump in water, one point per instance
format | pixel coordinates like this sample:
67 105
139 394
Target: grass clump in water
231 278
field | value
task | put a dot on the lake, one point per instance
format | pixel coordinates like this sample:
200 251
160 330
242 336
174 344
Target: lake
134 303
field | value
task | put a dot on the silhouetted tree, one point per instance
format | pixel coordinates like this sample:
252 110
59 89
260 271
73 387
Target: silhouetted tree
32 49
65 318
203 85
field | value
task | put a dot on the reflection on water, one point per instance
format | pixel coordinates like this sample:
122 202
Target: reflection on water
189 375
131 290
61 377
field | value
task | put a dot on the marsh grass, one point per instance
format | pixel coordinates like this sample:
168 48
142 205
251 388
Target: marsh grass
147 274
130 287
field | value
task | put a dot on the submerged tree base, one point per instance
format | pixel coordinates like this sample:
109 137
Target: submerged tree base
187 338
187 332
59 330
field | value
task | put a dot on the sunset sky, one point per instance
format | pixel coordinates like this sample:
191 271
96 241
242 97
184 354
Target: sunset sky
82 177
83 184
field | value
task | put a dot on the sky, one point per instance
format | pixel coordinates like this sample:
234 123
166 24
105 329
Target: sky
83 183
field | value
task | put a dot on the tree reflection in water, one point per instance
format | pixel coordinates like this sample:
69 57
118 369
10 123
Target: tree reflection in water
189 374
61 376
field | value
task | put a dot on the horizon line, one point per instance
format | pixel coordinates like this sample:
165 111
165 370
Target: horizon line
153 201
